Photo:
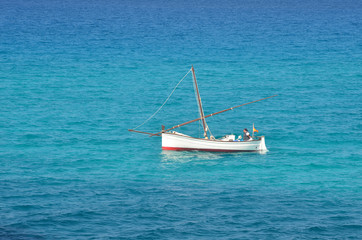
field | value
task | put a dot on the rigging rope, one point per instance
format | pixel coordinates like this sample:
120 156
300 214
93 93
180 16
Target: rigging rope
164 102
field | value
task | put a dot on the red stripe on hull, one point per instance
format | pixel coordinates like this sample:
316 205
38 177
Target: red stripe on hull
205 150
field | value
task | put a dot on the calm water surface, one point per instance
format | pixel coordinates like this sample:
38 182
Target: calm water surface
74 76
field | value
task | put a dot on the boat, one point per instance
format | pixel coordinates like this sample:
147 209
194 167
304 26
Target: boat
181 142
176 141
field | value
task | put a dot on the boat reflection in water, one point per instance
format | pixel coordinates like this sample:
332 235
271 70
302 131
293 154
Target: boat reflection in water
205 157
172 157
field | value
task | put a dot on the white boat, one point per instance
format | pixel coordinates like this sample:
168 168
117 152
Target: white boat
181 142
176 141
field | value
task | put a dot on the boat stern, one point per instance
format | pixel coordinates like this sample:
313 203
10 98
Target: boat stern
262 146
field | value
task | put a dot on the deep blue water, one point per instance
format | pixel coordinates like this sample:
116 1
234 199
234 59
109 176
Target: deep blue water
75 75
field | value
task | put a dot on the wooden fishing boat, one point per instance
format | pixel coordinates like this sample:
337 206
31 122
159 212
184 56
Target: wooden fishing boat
172 140
181 142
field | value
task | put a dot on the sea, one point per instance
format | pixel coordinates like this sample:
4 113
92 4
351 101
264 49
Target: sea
76 75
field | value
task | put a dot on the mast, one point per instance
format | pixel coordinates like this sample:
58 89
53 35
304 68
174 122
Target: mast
202 116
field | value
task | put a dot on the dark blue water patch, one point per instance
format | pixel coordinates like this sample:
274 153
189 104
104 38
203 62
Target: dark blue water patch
16 233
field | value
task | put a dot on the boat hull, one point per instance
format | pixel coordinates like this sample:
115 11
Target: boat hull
180 142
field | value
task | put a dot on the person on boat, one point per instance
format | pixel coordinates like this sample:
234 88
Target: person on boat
246 136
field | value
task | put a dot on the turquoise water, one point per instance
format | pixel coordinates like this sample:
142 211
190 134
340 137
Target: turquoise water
76 75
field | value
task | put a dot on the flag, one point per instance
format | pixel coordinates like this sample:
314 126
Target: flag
254 130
